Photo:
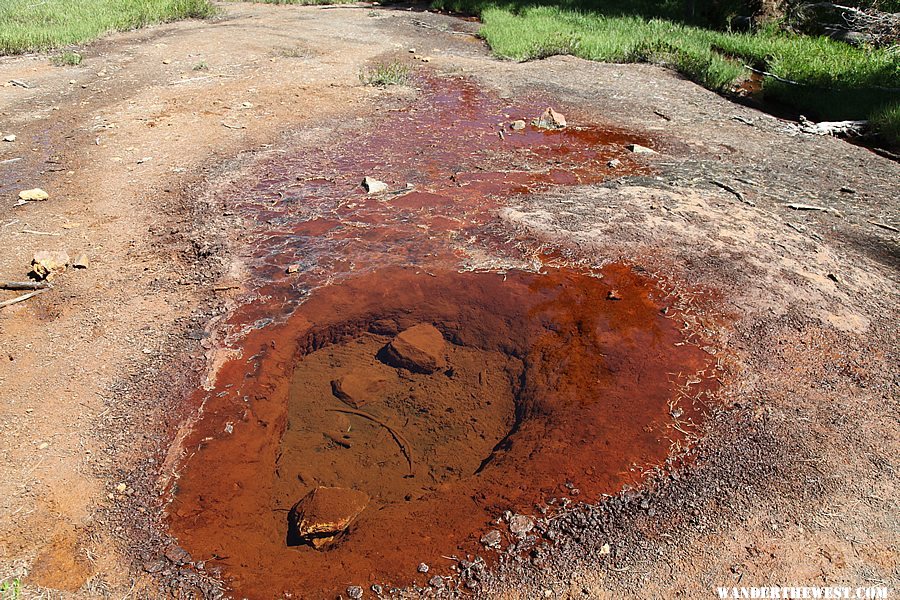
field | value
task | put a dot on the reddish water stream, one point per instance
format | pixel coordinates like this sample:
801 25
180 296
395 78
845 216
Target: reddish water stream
554 378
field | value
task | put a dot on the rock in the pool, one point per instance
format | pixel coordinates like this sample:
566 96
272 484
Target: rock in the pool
420 349
324 514
358 388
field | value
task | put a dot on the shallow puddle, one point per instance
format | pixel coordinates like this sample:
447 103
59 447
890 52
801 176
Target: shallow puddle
532 386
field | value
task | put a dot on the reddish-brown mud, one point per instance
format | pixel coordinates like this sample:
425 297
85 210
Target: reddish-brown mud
557 384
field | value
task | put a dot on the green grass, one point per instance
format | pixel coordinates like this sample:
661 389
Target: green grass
836 81
35 25
385 74
66 59
302 2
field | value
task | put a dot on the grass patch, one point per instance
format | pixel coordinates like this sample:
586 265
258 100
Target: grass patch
886 121
302 2
200 66
29 25
67 59
385 74
832 80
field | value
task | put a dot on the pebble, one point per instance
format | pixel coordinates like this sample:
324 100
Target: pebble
423 568
519 525
436 581
355 592
9 138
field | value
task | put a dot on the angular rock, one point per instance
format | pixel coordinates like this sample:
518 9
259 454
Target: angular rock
420 349
520 525
36 194
358 388
354 592
82 261
550 120
9 138
491 539
373 186
325 513
46 264
638 149
517 125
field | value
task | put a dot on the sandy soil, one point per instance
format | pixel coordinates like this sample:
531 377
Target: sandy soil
794 483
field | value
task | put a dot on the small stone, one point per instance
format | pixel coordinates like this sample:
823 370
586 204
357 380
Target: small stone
420 349
638 149
423 568
377 589
550 119
247 105
9 138
43 446
36 194
520 525
81 261
491 539
355 592
517 125
121 488
166 61
373 186
293 269
604 550
46 264
613 163
436 582
325 513
613 295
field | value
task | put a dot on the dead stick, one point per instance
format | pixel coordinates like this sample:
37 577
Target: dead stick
401 441
20 298
23 285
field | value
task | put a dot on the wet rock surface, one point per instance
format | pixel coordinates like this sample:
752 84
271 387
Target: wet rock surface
420 348
323 514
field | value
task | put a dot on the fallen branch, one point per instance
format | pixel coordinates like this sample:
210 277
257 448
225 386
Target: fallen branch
833 127
21 298
885 226
401 441
24 285
736 193
807 207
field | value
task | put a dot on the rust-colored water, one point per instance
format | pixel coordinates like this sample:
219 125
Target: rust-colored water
599 367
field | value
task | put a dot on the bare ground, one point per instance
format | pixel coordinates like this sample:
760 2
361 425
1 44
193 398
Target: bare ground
795 481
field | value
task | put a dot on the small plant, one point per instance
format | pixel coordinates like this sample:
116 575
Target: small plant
294 53
201 66
386 74
67 59
11 589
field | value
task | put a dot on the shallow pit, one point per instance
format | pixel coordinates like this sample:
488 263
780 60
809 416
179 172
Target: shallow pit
560 384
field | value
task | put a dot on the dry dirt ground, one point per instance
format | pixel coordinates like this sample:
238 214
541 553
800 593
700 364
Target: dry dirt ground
795 480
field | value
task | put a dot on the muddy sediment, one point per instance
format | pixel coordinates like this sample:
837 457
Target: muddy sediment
552 383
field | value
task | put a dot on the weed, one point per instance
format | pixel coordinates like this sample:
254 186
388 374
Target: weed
26 25
385 74
67 59
11 589
201 66
886 121
294 53
822 78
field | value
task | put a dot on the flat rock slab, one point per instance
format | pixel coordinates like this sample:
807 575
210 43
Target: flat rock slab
420 349
324 513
